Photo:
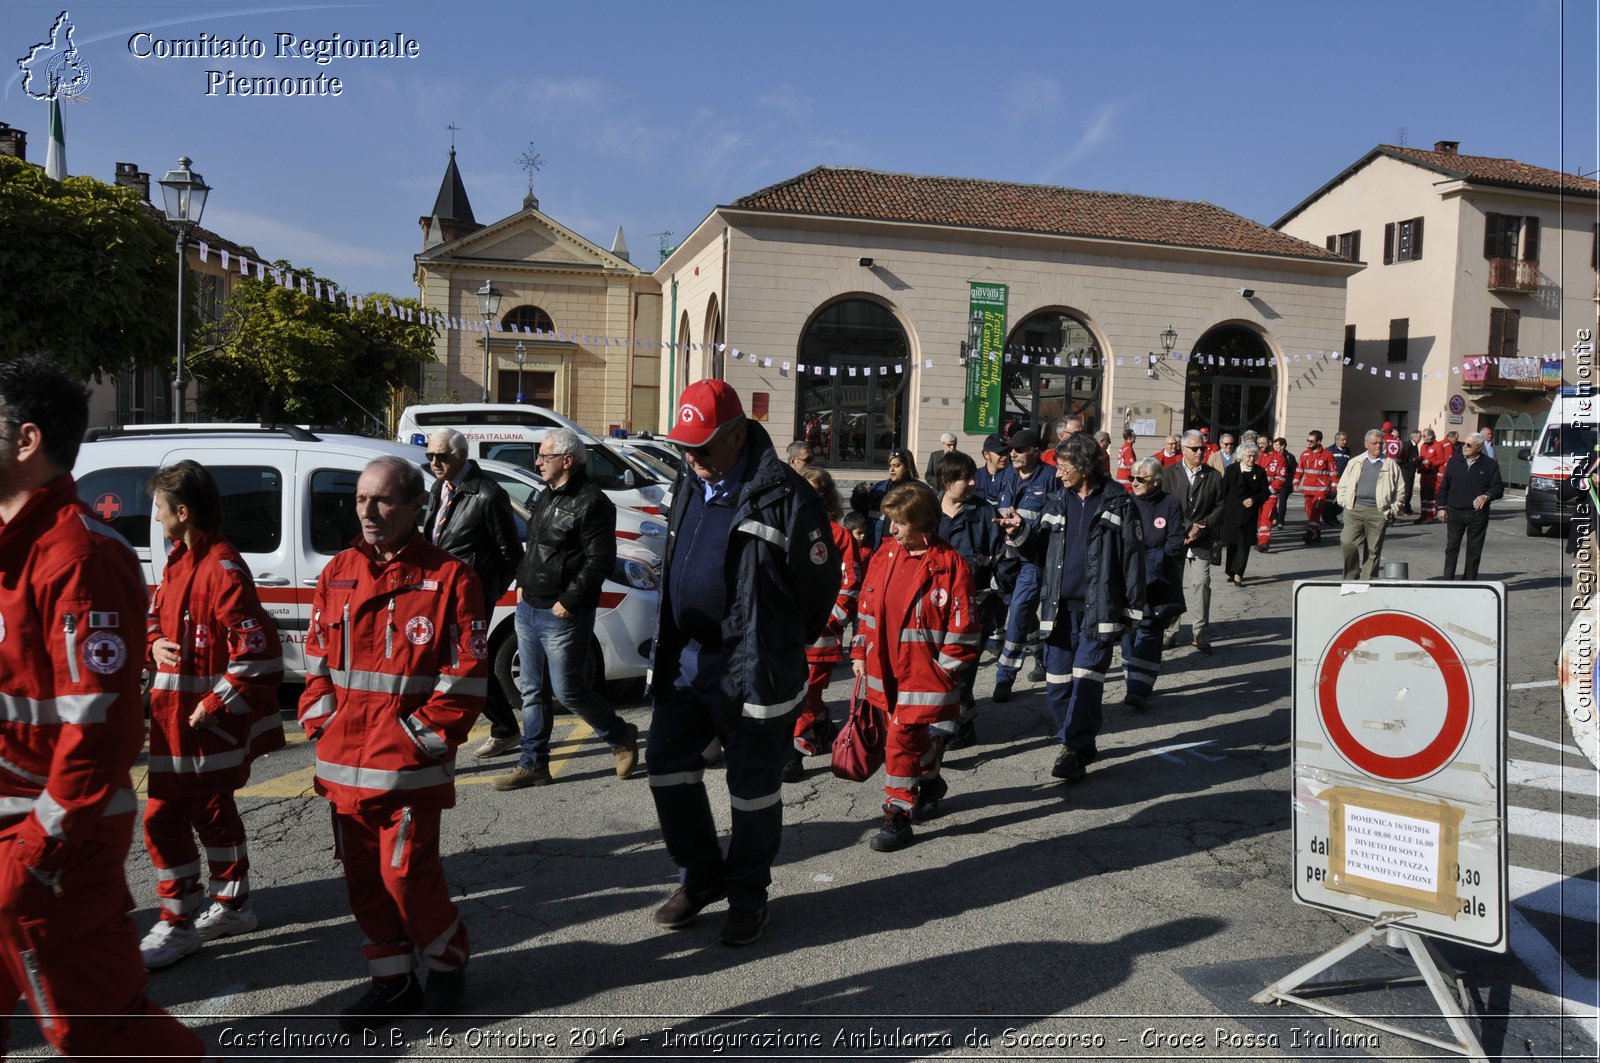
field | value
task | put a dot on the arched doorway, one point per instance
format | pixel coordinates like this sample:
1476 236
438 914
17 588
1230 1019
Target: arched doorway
1039 393
852 395
1232 382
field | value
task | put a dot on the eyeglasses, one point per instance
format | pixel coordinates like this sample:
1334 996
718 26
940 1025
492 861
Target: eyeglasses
435 458
551 457
1227 444
1188 447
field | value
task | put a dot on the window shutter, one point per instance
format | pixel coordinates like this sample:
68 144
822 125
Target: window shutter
1530 239
1497 331
1594 246
1491 236
1349 341
1355 246
1416 238
1333 243
1513 325
1388 243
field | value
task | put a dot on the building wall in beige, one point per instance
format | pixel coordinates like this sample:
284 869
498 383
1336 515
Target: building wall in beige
600 360
782 272
1447 297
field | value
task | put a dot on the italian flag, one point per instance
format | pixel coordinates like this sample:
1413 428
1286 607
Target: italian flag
55 159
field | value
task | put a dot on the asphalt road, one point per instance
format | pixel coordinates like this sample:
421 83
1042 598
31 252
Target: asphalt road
1129 917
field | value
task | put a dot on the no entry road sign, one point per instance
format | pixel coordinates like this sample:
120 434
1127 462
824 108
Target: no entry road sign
1399 724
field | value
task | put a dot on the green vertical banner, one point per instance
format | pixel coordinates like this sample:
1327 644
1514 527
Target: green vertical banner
984 399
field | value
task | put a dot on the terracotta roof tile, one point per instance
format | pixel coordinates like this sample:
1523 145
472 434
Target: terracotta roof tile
843 192
1486 169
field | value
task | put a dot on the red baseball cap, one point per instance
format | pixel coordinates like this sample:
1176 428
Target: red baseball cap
703 408
1388 427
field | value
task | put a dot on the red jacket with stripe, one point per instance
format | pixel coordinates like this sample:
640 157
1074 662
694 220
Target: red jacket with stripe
1315 473
829 647
396 674
72 602
230 664
913 662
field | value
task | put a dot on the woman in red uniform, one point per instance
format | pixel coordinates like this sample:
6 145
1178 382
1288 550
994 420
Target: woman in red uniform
213 709
813 729
917 632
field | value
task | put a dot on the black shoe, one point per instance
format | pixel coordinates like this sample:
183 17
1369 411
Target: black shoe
825 731
1036 673
1136 701
795 770
1071 765
445 991
966 735
1002 692
683 907
929 793
1204 646
894 834
385 999
743 926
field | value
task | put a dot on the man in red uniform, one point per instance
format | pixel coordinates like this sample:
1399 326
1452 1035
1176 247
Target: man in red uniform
1432 456
1277 471
1314 478
395 677
1170 455
72 604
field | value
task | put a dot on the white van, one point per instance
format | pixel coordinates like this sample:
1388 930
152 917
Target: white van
1563 445
512 435
289 506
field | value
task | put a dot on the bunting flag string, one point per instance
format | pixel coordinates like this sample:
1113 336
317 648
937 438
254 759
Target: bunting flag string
1545 369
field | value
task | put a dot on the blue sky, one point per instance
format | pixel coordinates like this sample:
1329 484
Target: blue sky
648 115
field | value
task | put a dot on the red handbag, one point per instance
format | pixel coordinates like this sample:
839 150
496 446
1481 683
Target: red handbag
858 747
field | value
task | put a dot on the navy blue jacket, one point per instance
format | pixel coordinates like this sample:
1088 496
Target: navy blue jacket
1163 553
1462 483
782 572
978 539
1114 571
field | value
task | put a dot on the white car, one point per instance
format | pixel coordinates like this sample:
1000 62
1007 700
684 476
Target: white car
289 506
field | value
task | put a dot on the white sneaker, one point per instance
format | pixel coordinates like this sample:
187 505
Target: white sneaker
167 943
220 921
494 747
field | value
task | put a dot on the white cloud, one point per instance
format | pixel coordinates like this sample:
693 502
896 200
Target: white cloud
1030 98
788 101
1101 128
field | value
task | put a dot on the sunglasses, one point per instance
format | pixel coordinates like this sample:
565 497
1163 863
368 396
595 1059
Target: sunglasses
436 458
1151 480
1188 447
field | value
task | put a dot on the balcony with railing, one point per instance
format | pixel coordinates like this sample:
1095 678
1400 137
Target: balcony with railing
1479 373
1513 275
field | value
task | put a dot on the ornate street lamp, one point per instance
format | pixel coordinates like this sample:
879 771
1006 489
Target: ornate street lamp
522 356
1169 340
489 307
974 341
184 194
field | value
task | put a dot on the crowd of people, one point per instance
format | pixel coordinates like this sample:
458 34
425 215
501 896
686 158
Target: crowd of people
1057 554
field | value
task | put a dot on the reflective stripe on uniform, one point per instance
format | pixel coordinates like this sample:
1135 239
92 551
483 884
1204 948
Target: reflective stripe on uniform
381 779
425 737
168 874
765 531
927 697
382 682
184 684
65 709
254 667
316 664
465 685
199 762
323 706
755 804
775 710
1057 678
1090 674
678 778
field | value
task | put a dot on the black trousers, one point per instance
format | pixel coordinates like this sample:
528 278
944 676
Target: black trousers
1474 524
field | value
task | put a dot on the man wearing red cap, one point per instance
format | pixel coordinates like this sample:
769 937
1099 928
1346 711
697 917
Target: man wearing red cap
751 576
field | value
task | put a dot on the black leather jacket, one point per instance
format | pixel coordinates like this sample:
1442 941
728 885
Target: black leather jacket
481 531
572 545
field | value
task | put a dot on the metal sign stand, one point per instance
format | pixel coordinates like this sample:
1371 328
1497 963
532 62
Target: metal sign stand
1455 1008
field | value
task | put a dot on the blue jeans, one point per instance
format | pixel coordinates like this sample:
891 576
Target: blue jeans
546 641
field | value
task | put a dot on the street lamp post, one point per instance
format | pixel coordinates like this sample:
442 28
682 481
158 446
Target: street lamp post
522 356
184 197
488 307
1169 340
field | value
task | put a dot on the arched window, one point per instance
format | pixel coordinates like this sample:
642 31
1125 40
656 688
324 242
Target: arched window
1231 383
852 397
530 317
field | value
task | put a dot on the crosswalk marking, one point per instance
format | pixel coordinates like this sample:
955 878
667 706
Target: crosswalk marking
1576 782
1554 826
1553 894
